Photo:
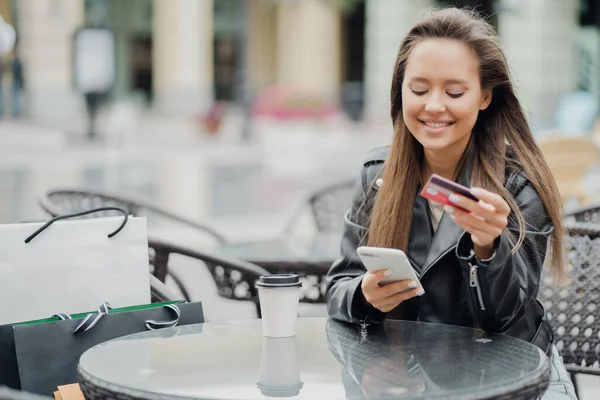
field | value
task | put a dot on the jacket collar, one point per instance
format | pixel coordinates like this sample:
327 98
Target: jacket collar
447 234
425 248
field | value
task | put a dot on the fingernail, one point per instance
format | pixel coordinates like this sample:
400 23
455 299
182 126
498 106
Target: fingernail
488 206
387 272
454 198
412 284
420 292
449 209
475 191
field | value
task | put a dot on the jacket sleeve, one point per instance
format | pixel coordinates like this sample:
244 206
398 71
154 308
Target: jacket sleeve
500 288
345 301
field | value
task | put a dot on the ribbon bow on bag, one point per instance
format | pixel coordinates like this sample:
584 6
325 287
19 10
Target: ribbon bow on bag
93 318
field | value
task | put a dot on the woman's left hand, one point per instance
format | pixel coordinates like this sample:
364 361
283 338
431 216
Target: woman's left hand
484 219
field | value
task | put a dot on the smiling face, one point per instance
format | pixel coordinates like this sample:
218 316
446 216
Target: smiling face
442 95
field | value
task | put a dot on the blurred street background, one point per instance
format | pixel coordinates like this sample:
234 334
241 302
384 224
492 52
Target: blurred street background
229 111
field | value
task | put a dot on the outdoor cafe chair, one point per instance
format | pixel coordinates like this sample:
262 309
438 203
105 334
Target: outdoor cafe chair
326 206
589 213
573 309
235 279
570 159
160 292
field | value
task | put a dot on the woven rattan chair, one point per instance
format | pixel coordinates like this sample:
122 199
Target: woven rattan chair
574 309
234 278
159 292
327 206
570 159
589 213
67 201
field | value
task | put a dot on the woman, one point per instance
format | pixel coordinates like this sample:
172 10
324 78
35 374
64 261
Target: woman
455 113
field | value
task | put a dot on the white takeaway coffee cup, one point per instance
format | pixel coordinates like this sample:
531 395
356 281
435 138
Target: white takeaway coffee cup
279 295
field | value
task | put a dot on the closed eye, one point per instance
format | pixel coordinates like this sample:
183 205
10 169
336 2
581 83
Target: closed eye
419 93
455 95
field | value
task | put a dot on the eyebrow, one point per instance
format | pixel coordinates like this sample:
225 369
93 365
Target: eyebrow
448 81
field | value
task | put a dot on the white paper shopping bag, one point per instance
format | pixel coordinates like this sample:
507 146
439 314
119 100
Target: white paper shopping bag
72 266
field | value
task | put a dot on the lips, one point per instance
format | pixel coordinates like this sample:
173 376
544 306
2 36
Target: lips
436 124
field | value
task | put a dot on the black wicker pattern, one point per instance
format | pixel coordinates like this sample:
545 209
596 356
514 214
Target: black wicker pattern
327 205
234 278
94 389
574 309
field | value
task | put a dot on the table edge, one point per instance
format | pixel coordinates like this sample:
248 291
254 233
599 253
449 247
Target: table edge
536 384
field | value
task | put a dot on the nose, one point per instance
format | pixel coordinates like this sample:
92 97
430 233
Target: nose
434 105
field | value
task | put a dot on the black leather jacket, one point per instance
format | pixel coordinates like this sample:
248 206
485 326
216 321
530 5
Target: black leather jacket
499 295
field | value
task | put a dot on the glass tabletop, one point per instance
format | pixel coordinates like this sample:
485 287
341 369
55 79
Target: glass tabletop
326 359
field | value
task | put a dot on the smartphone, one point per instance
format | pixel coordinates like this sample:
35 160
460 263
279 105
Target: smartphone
378 258
438 189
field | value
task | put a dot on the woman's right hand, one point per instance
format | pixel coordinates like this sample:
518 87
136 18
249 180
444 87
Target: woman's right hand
387 297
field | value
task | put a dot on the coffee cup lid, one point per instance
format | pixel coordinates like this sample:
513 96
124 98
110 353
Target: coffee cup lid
279 280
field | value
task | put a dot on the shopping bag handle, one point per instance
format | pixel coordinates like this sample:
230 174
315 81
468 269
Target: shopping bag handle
153 324
79 214
92 319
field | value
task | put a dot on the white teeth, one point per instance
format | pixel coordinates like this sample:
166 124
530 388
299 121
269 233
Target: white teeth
437 124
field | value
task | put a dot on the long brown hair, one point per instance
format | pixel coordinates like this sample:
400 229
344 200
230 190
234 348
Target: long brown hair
502 125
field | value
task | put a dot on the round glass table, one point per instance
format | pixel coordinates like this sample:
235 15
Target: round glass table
325 360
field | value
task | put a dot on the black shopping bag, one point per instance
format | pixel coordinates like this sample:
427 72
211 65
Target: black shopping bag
38 356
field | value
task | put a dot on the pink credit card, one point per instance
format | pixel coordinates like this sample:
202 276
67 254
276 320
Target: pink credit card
438 189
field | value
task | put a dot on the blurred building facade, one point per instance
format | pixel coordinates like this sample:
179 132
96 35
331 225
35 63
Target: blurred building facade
178 56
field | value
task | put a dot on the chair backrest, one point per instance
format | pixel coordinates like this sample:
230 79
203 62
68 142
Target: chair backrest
234 278
328 205
160 292
573 310
569 160
590 214
66 201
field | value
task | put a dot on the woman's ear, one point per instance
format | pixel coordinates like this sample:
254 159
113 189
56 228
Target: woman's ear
486 99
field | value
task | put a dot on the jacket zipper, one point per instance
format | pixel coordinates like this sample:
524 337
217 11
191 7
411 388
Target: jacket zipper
474 283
